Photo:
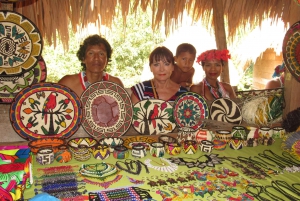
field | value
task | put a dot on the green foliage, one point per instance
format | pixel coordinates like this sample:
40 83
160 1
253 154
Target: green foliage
131 50
132 44
247 79
59 62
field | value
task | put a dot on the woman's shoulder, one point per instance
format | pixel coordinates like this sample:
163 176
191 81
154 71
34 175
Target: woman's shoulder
197 86
226 85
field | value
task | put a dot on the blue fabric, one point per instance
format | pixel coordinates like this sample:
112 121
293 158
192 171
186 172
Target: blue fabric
44 197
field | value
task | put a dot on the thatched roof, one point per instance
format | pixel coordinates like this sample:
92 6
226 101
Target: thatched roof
54 16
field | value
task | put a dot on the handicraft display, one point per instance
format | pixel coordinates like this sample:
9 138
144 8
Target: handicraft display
46 110
152 117
101 152
138 140
185 133
45 156
262 107
52 142
291 50
190 110
225 110
12 85
20 44
107 110
88 142
111 142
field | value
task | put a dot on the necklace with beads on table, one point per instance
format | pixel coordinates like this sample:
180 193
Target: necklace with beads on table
99 170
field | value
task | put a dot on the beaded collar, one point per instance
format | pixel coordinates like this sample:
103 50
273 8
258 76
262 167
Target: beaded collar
85 83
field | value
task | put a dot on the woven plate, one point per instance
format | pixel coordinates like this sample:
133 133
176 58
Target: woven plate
46 110
291 50
20 44
190 109
153 117
11 86
107 110
225 110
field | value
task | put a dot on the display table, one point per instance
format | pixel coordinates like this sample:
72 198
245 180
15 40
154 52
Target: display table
157 190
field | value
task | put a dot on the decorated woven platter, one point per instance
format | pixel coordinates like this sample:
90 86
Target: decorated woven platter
225 110
153 117
12 85
291 50
107 110
145 141
190 110
46 110
20 44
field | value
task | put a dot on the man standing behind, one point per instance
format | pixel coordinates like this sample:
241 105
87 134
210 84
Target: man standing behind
183 69
94 54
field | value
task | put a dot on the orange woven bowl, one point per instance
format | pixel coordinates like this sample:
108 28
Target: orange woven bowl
54 143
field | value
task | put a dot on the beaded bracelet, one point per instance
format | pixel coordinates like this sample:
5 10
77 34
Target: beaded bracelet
58 169
219 144
236 143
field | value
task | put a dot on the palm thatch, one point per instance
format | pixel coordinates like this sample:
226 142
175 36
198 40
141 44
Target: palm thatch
53 17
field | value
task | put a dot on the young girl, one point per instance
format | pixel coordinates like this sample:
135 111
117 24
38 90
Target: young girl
210 88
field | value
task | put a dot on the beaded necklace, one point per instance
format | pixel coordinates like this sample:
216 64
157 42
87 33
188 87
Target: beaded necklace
171 167
211 161
281 162
104 184
99 170
131 166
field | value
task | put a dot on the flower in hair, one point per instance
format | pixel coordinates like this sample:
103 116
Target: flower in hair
278 70
221 55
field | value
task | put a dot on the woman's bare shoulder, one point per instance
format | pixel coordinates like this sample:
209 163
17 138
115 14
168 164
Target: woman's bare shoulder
196 87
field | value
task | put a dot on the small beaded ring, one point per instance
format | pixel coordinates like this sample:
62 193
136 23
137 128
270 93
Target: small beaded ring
219 144
45 156
236 143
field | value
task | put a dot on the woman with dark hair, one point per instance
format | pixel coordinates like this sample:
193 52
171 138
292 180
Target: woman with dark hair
94 54
212 62
161 62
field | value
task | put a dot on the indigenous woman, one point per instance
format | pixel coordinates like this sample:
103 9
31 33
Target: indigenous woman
210 88
161 63
278 76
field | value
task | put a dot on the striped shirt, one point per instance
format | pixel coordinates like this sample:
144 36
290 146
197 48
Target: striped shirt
144 91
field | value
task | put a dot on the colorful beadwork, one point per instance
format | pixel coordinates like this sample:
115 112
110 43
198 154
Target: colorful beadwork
236 144
132 193
101 152
190 147
63 155
45 156
206 146
173 148
121 152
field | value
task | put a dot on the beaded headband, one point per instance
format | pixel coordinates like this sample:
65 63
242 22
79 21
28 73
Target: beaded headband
221 55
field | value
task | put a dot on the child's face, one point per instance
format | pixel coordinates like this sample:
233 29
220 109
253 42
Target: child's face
185 61
212 68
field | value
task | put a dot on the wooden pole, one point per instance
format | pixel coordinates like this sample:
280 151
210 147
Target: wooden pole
220 34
